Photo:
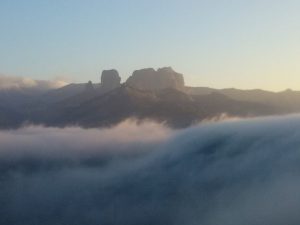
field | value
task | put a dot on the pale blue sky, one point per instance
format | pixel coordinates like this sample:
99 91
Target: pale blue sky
217 43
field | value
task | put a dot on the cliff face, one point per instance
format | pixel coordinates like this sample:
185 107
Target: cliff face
110 80
150 79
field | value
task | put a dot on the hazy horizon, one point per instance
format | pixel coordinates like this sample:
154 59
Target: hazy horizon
220 44
61 81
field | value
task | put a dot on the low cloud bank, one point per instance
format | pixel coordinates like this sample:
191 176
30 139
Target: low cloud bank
14 82
229 173
223 117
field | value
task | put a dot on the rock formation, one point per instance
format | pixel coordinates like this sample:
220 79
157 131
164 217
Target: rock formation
89 86
110 80
149 79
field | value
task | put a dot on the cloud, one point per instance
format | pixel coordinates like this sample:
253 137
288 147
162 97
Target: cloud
222 117
14 82
229 173
36 140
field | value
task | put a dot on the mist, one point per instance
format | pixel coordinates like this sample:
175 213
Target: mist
236 172
15 82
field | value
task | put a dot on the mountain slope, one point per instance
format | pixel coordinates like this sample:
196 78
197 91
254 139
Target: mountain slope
169 105
287 101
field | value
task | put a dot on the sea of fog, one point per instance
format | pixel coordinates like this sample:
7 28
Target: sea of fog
230 173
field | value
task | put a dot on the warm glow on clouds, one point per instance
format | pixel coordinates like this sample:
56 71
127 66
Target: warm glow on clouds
14 82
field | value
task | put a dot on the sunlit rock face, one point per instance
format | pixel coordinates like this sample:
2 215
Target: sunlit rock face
150 79
110 79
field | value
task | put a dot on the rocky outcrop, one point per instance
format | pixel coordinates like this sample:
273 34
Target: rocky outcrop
89 86
110 80
150 79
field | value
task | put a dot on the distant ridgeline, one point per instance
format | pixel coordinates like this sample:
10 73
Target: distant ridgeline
159 95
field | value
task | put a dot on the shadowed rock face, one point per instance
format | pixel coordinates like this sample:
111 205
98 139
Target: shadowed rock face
149 79
110 79
89 86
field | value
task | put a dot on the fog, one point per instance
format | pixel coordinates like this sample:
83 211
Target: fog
15 82
230 173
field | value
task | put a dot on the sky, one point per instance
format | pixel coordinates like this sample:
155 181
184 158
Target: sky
215 43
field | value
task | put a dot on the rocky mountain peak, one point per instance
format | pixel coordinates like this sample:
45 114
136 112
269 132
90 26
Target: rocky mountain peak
110 79
89 86
150 79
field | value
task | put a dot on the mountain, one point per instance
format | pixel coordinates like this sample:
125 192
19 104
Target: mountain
287 101
171 106
158 95
152 80
15 103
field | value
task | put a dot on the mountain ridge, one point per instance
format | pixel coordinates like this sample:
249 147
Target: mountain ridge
164 99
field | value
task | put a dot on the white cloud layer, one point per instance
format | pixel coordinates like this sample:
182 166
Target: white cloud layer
229 173
14 82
